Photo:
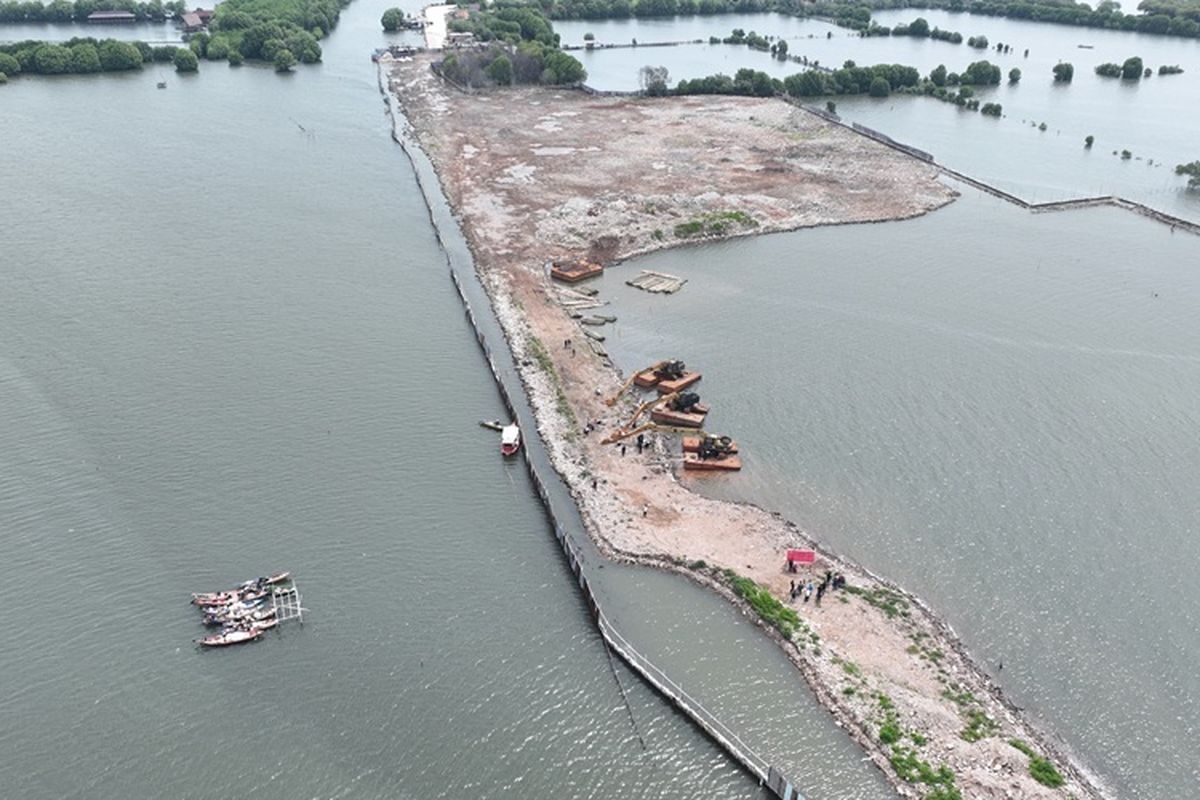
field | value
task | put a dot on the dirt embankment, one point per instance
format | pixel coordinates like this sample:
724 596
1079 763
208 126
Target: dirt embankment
536 175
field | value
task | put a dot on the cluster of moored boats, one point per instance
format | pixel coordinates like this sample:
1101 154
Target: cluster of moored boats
241 613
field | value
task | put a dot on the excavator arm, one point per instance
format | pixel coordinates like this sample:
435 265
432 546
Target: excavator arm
625 386
651 402
618 435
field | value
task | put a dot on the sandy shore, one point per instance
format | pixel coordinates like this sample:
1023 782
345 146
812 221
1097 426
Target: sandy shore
535 175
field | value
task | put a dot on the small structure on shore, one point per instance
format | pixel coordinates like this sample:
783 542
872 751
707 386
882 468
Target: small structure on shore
195 20
111 17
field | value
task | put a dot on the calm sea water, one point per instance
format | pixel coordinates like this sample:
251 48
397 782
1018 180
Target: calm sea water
995 409
1155 119
228 345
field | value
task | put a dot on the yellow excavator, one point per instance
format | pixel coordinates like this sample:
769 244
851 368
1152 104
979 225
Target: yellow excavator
633 377
633 420
668 370
618 435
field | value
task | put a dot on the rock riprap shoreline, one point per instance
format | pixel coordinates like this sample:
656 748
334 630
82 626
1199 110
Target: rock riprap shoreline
536 175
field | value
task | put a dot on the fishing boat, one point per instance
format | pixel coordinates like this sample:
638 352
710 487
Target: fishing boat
510 440
282 577
247 615
224 599
226 638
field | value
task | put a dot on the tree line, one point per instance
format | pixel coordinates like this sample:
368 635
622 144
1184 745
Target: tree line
78 11
1170 17
81 56
524 50
282 32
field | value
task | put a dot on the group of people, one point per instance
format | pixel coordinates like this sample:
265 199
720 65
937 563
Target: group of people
805 591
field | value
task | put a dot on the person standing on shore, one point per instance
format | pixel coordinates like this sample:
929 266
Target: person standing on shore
641 441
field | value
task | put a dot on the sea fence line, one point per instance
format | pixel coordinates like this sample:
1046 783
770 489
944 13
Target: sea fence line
1053 205
756 765
767 775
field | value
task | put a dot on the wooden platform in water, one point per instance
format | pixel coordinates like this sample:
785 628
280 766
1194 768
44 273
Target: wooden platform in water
684 419
688 378
659 282
693 461
691 444
574 271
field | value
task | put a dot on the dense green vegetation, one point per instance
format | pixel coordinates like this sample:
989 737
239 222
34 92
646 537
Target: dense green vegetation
716 223
1064 71
281 31
1174 17
74 56
260 29
1173 69
77 11
510 23
1191 170
525 45
185 60
392 19
773 612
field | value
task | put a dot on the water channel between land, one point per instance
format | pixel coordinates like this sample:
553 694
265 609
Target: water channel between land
1155 119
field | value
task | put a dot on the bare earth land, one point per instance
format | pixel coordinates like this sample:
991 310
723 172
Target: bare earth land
536 175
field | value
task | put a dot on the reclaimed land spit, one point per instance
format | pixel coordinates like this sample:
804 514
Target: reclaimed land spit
556 499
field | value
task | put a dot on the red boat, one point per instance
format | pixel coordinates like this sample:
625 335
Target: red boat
510 440
230 637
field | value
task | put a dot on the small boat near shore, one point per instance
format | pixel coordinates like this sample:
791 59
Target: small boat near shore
510 440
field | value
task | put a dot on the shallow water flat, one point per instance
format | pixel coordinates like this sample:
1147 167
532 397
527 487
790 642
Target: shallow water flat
993 408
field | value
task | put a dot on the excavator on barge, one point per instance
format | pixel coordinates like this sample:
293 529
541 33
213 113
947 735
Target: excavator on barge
665 376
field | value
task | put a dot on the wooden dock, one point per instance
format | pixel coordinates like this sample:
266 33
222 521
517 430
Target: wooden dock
658 282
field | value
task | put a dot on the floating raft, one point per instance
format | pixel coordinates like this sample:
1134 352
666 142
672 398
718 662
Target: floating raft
684 419
728 464
679 384
659 282
691 444
573 271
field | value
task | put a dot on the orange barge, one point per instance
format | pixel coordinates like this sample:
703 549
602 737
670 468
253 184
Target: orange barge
678 384
574 271
646 379
691 444
684 419
726 463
